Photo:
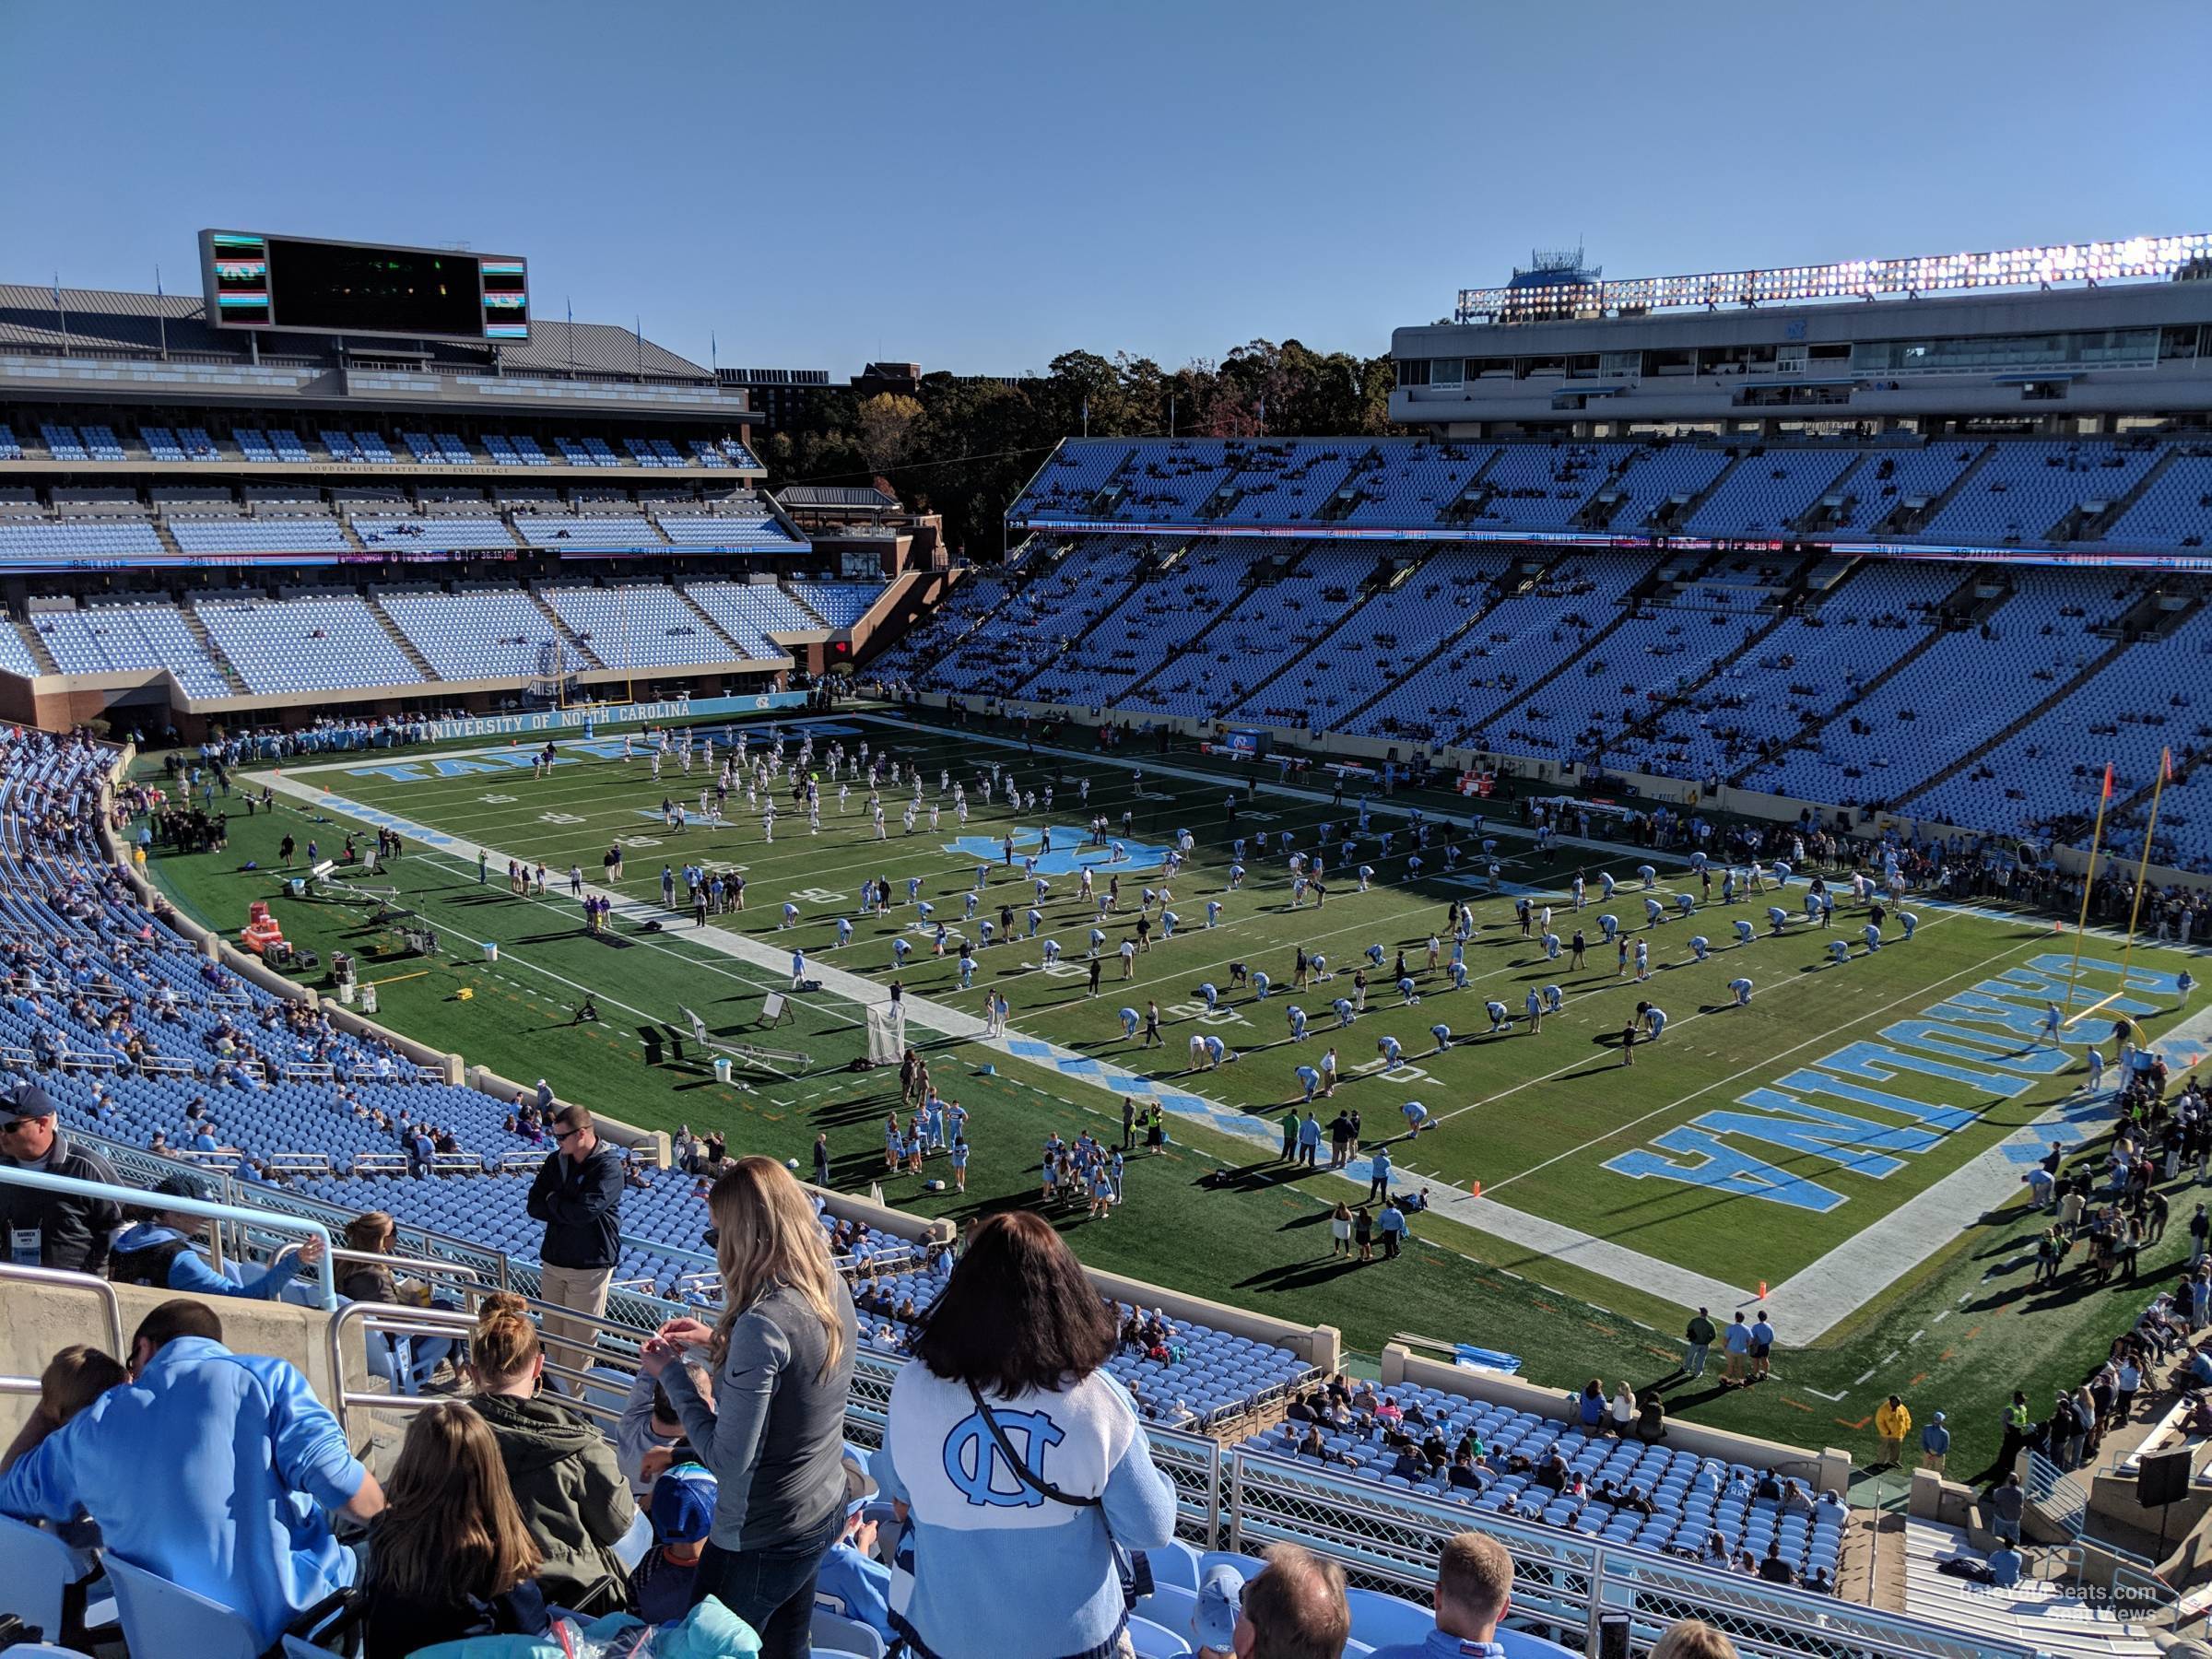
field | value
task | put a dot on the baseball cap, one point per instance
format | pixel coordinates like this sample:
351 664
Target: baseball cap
1220 1601
29 1102
683 1504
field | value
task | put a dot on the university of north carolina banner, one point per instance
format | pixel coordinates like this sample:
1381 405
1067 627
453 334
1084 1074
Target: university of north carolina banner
577 718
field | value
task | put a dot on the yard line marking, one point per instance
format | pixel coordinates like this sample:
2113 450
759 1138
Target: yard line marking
1860 1381
1823 1392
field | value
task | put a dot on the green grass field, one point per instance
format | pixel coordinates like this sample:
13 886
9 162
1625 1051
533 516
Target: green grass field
1534 1118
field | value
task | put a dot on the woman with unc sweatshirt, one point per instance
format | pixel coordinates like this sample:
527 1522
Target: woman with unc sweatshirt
1004 1569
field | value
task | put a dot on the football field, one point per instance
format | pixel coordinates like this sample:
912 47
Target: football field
1742 1146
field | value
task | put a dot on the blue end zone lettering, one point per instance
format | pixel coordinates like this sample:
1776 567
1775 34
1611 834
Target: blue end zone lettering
1881 1065
1944 1119
1963 1044
1723 1169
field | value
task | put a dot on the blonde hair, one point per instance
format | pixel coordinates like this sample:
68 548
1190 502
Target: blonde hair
766 1235
1693 1639
451 1527
371 1234
504 1345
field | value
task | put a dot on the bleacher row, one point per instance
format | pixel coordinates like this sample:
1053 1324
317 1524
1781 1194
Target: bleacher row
1693 1500
2148 493
88 442
1804 675
340 641
741 524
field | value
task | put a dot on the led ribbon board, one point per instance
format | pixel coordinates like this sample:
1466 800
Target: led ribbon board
2140 256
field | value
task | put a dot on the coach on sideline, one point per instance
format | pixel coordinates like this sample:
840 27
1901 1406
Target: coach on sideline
578 1195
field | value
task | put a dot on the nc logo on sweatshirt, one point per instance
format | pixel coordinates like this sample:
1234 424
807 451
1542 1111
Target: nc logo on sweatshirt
971 1457
1068 854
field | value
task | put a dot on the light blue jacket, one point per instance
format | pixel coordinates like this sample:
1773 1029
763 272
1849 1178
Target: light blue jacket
213 1469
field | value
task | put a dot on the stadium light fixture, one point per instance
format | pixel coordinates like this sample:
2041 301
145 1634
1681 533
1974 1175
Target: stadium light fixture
2138 257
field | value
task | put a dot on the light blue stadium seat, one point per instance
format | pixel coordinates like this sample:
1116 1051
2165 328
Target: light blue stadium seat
162 1618
1170 1605
42 1579
835 1631
1381 1620
1176 1563
1156 1641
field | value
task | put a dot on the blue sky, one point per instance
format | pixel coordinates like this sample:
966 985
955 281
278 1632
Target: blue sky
979 187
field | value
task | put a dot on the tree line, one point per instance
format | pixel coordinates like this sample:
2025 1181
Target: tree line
965 445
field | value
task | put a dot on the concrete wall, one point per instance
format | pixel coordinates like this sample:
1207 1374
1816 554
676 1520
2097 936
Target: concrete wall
44 1317
1821 1470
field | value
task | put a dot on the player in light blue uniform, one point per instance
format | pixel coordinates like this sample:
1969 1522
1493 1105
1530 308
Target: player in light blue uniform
1742 987
1608 925
1343 1006
1908 921
1655 1018
1260 984
1873 935
1097 941
1551 946
1442 1033
1311 1079
1654 912
1213 912
1777 920
1130 1020
1052 952
1500 1016
1211 994
1745 932
1388 1048
1458 970
1699 945
899 950
791 914
1684 905
1838 951
844 930
1407 995
1168 918
1417 1116
1296 1016
1554 1000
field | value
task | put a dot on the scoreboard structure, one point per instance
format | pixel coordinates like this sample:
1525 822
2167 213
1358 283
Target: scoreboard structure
257 281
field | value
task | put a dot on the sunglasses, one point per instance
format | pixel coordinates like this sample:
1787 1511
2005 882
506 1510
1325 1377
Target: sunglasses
16 1123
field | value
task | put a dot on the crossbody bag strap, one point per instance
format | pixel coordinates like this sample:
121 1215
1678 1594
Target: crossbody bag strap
1036 1483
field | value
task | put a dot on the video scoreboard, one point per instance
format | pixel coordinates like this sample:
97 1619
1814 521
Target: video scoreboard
253 280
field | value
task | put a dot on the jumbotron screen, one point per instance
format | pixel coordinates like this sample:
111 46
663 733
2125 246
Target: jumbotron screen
254 280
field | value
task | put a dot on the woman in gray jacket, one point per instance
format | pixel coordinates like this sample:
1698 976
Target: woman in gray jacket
781 1357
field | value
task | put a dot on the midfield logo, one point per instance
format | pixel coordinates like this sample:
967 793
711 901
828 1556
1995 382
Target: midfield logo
1068 855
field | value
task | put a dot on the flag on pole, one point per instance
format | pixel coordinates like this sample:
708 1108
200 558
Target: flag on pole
2166 765
2108 782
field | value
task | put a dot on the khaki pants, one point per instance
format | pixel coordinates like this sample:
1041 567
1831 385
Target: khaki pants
584 1289
1889 1447
1934 1461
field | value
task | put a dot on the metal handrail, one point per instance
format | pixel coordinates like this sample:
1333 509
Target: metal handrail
18 1273
267 1220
